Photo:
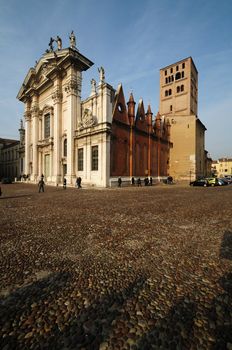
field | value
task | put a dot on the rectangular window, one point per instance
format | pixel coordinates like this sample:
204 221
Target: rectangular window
80 159
183 65
171 70
95 158
165 72
46 126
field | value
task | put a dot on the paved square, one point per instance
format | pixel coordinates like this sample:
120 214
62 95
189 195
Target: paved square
128 268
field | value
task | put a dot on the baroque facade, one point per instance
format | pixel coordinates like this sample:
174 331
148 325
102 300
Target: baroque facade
97 139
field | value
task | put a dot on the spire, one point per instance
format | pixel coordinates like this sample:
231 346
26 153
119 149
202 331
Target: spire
131 109
149 116
157 124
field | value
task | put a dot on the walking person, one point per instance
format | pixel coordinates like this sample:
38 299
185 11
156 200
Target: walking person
150 181
64 183
78 182
41 185
139 182
119 182
132 181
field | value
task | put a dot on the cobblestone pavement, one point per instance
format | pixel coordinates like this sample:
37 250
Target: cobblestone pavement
130 268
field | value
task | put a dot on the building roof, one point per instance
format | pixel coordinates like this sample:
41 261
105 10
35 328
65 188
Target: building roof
178 62
7 142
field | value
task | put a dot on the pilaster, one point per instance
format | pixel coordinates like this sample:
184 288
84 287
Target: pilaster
73 97
57 97
35 136
27 117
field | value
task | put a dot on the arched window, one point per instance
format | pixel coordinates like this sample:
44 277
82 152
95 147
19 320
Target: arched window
65 148
166 80
166 93
169 79
182 74
182 88
178 89
170 92
178 76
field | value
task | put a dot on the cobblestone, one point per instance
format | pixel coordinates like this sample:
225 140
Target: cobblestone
123 268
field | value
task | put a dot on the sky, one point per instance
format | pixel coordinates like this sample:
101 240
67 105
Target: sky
132 40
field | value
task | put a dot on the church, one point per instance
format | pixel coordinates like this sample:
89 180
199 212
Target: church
98 139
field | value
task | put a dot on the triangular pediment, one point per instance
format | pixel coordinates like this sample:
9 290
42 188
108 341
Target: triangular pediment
49 63
120 108
140 120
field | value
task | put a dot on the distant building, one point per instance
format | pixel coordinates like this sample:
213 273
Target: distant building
12 156
179 102
222 167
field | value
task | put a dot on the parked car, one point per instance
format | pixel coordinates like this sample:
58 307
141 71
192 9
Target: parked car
227 179
213 181
6 180
222 182
200 182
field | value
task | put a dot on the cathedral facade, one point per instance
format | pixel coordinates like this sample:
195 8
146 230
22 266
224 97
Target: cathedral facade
98 139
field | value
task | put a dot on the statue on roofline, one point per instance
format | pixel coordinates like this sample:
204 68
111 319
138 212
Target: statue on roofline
58 41
51 44
102 74
93 86
72 40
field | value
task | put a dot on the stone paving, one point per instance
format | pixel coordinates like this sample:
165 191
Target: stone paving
128 268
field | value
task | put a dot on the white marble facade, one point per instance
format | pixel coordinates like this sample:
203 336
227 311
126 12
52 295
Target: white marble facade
64 136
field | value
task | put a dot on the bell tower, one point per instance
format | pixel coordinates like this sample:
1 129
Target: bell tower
179 88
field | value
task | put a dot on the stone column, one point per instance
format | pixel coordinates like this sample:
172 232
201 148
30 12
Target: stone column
57 120
35 136
73 91
27 117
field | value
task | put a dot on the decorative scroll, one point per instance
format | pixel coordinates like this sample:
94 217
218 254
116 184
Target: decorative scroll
87 120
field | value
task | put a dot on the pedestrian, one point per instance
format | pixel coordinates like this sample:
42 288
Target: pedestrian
151 181
64 183
119 182
41 185
139 182
78 182
132 180
146 181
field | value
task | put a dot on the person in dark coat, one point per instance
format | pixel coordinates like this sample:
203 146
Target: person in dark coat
132 181
64 183
41 185
119 182
78 182
150 181
139 182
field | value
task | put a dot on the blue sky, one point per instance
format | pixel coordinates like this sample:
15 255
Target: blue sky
132 40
